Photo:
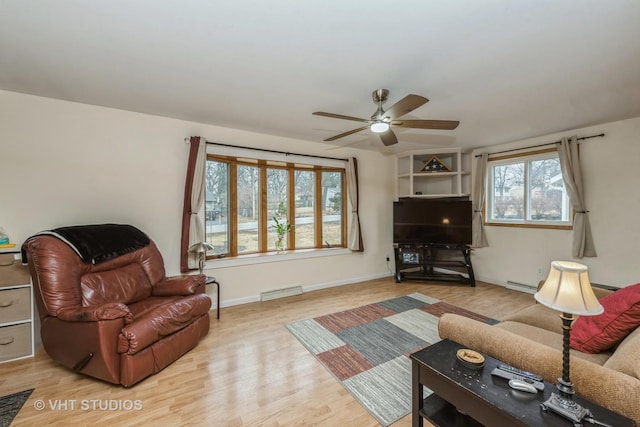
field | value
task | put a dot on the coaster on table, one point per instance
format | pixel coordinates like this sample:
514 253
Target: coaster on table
470 358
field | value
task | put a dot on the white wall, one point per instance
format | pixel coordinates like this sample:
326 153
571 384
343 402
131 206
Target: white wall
64 163
611 173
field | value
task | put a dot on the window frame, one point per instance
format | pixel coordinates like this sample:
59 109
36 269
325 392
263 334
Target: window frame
525 158
263 220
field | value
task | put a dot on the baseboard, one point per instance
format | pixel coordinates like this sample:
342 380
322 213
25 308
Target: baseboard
281 293
491 281
353 280
308 288
239 301
521 287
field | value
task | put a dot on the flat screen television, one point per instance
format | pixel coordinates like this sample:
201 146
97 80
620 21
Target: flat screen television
432 221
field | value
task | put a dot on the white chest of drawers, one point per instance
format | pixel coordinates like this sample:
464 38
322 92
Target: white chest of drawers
16 313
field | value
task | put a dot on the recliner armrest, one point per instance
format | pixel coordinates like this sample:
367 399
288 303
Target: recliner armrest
109 311
179 285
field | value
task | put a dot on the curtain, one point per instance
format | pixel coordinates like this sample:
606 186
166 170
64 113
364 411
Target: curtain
479 236
355 233
583 245
192 226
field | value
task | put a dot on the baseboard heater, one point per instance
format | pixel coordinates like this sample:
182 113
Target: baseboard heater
522 287
280 293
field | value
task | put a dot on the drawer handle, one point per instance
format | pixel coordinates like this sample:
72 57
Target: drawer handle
6 304
6 341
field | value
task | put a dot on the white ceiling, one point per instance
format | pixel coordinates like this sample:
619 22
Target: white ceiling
508 70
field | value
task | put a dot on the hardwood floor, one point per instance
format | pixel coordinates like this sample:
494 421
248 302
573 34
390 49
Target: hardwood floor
249 370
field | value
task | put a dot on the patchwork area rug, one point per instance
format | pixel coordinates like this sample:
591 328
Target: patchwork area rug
367 348
11 404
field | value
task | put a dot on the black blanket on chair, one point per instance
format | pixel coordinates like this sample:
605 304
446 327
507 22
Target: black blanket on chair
98 243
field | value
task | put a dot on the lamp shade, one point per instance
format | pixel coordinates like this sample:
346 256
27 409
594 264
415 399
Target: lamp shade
201 248
567 289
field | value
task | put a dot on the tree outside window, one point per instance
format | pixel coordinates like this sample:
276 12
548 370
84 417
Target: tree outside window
248 208
304 209
277 202
332 208
217 206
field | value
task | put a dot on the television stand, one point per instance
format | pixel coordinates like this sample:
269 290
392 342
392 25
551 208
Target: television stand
434 262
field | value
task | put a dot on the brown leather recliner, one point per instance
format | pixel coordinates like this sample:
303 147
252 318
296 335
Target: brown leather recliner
119 320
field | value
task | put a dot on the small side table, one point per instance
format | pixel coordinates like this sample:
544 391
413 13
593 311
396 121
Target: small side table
473 397
212 281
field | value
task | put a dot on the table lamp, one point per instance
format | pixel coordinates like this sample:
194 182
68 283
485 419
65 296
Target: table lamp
568 290
201 249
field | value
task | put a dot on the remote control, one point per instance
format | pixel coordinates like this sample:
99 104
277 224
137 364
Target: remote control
539 385
522 386
519 372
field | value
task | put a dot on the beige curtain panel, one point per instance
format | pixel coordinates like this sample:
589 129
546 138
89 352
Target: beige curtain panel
355 242
479 236
583 245
192 226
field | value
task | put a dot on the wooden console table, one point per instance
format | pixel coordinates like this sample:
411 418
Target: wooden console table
473 397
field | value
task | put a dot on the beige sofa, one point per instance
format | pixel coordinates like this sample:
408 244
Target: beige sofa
532 340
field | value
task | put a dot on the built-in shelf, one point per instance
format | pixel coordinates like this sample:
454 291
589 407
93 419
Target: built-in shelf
453 181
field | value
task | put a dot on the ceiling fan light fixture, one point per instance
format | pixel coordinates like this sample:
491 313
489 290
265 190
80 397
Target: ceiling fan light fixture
381 121
379 127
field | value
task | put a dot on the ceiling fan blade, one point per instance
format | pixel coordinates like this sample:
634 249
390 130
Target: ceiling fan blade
388 138
405 105
333 138
340 116
427 124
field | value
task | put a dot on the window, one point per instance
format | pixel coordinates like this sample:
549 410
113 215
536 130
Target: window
248 208
243 196
217 205
527 190
277 202
332 225
304 209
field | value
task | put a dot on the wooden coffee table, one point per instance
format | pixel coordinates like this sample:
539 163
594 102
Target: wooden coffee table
473 397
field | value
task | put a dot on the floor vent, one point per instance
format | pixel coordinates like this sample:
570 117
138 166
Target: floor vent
280 293
522 287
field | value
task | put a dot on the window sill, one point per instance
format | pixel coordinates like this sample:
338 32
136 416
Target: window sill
529 225
252 259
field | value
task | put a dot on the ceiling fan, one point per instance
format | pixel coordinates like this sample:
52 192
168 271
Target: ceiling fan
382 121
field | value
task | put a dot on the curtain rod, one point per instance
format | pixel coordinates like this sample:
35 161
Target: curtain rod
276 151
541 145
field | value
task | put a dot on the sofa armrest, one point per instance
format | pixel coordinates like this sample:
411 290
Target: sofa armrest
179 286
109 311
606 387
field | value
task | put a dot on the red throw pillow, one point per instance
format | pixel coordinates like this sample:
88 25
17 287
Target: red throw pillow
593 334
